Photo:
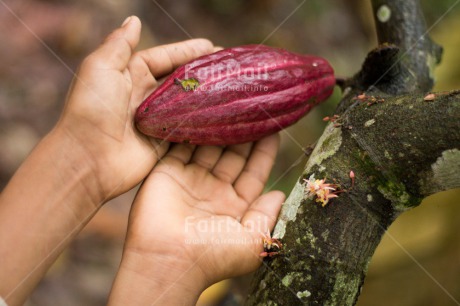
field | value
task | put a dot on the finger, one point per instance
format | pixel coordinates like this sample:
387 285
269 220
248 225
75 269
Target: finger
245 253
263 213
232 162
255 174
218 48
164 59
180 151
260 216
117 48
142 81
207 156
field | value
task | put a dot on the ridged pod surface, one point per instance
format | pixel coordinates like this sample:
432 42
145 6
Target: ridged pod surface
235 95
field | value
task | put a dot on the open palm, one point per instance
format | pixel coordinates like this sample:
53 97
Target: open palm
201 207
110 85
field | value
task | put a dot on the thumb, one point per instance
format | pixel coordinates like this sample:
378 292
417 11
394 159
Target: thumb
263 213
261 216
118 47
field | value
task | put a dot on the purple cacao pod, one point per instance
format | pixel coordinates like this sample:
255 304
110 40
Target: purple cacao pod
235 95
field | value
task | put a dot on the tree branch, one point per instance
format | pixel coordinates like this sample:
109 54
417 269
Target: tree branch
401 23
397 148
402 147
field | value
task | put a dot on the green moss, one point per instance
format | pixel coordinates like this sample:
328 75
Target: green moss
287 280
368 166
387 155
400 101
262 285
389 187
368 123
345 289
303 294
327 146
290 277
397 194
309 236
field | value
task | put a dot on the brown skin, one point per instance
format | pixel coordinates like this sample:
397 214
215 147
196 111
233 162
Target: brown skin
185 198
94 153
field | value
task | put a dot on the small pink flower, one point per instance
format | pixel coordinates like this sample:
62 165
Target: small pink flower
320 189
352 177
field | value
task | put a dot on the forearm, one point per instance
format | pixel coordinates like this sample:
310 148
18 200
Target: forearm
144 280
46 203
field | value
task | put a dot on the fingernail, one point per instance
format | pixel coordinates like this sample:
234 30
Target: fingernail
126 21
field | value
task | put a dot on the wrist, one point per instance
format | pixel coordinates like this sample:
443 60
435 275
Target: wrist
156 279
77 167
117 162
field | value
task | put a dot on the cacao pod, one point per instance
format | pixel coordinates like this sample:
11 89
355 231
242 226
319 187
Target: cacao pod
235 95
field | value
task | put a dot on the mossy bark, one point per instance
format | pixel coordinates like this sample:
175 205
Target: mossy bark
401 147
400 22
394 147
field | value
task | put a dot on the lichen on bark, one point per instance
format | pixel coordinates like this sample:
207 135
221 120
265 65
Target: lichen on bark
401 148
393 159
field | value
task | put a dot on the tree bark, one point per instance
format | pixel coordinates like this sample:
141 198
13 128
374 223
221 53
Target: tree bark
401 145
401 22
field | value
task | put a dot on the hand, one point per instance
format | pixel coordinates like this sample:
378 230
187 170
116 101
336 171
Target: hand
109 86
198 219
93 154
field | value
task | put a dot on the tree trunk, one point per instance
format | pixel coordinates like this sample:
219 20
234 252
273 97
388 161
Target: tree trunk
402 146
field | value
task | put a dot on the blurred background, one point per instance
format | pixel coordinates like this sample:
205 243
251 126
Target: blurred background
43 41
